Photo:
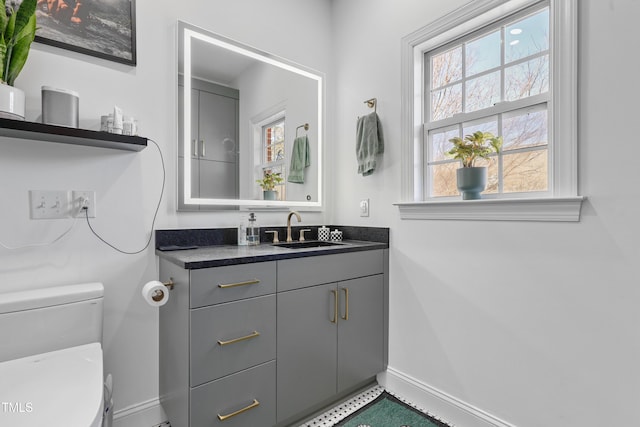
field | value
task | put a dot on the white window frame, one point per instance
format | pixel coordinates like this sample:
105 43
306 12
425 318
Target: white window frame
563 204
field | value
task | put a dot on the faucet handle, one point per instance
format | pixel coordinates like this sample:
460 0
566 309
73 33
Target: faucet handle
302 233
275 235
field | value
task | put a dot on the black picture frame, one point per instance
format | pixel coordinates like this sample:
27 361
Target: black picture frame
106 30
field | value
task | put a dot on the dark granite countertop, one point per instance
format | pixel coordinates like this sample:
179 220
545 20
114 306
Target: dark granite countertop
220 255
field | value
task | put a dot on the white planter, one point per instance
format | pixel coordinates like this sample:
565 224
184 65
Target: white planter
11 102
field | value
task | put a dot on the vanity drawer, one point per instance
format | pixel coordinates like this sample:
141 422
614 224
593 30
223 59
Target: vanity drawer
252 390
303 272
230 283
230 337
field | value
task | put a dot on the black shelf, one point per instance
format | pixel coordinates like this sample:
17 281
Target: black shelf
66 135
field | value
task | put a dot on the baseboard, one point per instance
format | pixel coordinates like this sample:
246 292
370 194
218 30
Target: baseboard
437 402
144 414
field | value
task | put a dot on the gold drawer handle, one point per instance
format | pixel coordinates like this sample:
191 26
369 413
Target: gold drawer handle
334 318
346 304
239 411
233 285
253 334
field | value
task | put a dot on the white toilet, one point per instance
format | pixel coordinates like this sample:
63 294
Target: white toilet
51 357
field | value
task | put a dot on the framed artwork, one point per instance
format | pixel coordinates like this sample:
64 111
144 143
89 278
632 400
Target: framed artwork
101 28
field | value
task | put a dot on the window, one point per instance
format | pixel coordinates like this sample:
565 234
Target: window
506 67
273 153
494 80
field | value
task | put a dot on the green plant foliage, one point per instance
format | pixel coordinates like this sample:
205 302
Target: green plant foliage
269 180
17 31
477 145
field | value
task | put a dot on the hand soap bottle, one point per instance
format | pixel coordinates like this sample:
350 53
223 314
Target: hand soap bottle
253 231
242 234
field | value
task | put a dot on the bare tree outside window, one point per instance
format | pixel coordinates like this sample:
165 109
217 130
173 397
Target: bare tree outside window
492 76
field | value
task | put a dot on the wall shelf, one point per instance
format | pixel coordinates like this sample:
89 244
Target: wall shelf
66 135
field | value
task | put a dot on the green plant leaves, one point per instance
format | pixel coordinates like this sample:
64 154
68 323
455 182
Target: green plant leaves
476 145
17 32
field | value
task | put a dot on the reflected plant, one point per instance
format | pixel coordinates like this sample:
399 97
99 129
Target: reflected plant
269 180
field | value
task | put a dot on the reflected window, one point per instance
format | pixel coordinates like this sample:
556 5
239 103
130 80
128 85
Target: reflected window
273 156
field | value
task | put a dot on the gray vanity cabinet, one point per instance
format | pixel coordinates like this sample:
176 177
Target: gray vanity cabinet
331 337
264 344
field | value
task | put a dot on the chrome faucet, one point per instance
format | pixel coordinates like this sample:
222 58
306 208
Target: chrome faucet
289 239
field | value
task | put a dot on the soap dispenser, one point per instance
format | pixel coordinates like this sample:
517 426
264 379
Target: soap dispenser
253 231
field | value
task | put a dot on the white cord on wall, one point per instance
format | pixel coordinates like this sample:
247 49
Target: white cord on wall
35 245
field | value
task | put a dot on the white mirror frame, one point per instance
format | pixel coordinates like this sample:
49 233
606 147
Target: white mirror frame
190 32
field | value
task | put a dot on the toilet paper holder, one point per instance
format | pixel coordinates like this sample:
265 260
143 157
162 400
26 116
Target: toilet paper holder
169 283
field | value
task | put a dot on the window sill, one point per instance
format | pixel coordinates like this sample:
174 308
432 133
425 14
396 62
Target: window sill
563 209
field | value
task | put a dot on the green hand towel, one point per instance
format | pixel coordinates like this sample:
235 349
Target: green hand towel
300 159
369 143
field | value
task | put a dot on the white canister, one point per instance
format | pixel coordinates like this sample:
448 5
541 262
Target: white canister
336 236
323 233
12 105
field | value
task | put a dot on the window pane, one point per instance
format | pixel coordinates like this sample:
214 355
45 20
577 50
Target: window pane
440 144
482 92
483 53
525 172
278 150
273 141
485 125
525 129
446 102
527 79
443 179
446 68
527 36
492 174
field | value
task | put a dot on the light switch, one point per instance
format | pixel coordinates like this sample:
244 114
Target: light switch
364 207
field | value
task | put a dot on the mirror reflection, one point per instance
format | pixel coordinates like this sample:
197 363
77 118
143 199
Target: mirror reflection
249 126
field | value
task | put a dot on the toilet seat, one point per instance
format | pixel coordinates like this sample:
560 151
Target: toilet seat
59 388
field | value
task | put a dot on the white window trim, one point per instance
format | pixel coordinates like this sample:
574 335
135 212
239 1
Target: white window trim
565 204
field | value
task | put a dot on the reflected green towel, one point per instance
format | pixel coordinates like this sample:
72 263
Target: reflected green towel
369 143
299 159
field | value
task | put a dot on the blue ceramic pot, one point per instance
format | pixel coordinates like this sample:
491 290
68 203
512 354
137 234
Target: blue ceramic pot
270 194
471 182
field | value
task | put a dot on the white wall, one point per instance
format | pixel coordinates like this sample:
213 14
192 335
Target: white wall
128 184
534 323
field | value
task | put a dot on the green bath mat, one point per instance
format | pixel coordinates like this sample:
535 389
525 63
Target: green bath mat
388 411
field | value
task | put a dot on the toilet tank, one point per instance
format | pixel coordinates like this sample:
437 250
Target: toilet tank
42 320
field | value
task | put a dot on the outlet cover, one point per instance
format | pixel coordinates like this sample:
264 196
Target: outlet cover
364 207
77 196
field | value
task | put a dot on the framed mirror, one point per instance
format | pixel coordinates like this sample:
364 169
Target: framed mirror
244 116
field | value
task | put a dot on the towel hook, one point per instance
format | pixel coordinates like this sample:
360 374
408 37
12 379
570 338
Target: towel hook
372 103
305 126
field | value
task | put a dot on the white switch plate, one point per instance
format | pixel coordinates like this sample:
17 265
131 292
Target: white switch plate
49 204
364 207
76 200
60 204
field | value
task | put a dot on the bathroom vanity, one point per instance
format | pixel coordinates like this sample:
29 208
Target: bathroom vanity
266 335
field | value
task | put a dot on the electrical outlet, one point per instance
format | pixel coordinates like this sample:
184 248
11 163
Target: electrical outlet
364 207
49 204
89 198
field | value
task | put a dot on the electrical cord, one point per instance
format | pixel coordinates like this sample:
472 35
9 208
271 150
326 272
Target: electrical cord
36 245
155 215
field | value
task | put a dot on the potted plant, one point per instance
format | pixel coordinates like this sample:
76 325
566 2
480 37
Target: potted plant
17 31
268 182
471 179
